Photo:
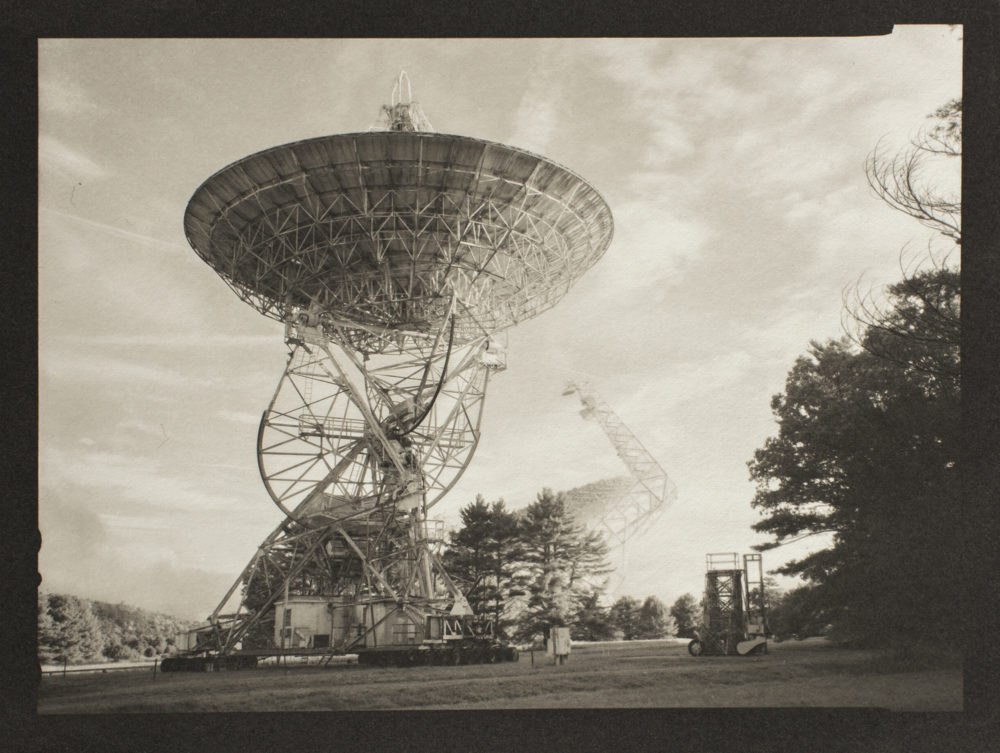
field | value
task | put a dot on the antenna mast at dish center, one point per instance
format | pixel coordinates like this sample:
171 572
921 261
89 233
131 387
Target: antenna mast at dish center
394 259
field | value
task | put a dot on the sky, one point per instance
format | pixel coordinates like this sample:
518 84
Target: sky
734 172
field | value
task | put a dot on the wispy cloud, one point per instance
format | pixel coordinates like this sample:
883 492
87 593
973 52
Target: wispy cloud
114 230
651 246
78 367
56 96
536 120
239 417
145 480
133 523
55 154
149 429
171 340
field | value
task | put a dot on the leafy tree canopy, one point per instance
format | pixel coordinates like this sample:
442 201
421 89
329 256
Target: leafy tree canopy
624 615
654 621
76 630
686 616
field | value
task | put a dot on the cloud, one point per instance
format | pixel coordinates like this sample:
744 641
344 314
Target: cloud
105 369
537 118
57 97
117 232
652 246
169 340
134 520
658 392
675 89
239 417
131 477
66 161
69 527
148 429
132 523
184 591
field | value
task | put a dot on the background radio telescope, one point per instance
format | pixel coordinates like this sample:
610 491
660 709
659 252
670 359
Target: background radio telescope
394 259
624 507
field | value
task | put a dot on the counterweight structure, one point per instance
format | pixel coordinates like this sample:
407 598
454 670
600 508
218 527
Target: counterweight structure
395 261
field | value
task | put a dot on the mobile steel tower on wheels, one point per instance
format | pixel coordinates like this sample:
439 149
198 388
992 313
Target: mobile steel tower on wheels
734 618
394 259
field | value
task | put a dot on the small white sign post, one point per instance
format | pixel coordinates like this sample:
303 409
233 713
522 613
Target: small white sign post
560 643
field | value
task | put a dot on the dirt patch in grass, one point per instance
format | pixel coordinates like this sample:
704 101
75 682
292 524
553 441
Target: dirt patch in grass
661 674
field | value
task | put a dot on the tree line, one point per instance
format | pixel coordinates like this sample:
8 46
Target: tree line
529 569
537 568
78 631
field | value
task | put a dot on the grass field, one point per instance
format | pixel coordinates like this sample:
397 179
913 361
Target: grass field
616 675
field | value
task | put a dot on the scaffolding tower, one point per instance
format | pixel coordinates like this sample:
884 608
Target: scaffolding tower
734 618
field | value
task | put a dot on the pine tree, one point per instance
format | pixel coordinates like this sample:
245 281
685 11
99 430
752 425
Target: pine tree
48 638
624 615
562 563
505 552
76 635
483 558
591 622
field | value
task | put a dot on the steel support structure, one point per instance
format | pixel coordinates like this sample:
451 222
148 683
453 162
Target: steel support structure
753 594
355 453
649 490
723 604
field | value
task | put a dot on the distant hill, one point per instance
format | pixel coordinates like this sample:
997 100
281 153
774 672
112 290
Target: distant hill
78 630
588 502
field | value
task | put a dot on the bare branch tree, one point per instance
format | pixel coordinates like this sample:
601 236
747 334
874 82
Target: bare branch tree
945 137
899 179
916 323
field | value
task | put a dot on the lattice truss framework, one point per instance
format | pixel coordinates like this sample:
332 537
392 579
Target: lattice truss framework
723 606
355 453
377 234
342 431
380 555
649 489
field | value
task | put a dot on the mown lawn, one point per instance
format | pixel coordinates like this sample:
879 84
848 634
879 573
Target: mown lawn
623 675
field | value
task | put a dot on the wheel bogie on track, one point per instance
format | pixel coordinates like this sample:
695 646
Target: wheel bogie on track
466 652
208 663
449 654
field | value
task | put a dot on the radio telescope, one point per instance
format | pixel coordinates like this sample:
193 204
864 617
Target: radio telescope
636 502
395 260
622 507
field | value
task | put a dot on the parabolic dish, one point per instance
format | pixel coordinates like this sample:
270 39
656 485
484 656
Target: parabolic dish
378 231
